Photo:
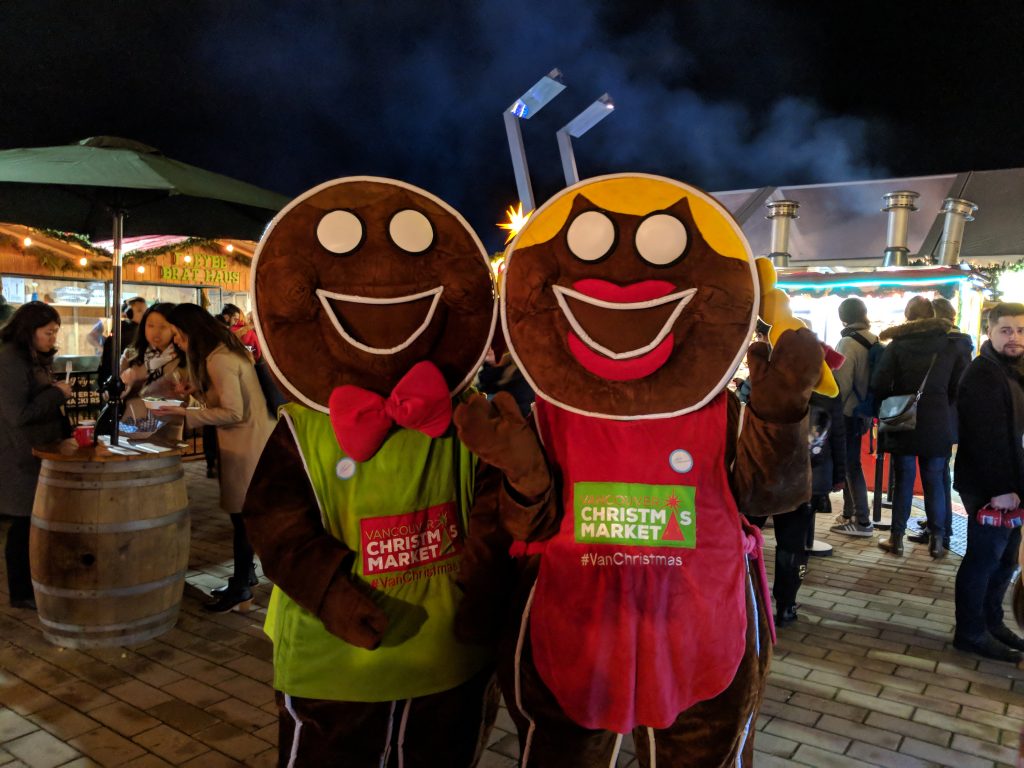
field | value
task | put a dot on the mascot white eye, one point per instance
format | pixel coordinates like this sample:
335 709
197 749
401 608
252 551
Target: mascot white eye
661 239
340 232
591 236
411 231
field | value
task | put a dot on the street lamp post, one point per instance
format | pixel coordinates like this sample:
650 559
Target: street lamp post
575 128
523 108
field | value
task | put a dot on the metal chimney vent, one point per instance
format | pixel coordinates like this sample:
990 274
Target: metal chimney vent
958 212
780 214
899 206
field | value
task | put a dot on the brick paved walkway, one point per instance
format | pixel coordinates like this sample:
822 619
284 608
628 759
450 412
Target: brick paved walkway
866 677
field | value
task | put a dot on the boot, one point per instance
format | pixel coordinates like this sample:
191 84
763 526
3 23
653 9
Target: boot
1007 637
986 646
790 568
935 548
253 581
893 545
237 597
786 616
919 538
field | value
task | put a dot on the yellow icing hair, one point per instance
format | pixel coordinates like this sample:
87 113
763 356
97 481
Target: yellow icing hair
776 312
639 195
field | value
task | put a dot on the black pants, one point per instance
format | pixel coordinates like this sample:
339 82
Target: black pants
984 573
19 576
242 550
210 450
790 553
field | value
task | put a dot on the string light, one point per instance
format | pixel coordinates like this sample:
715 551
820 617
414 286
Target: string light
140 269
187 258
229 248
84 262
27 241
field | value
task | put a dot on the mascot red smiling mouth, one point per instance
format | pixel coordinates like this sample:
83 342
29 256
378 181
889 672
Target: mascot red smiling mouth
628 301
375 307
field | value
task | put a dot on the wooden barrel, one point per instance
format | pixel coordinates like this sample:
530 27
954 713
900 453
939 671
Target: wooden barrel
109 547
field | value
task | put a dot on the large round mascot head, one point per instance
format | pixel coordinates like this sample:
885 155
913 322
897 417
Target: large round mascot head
359 279
629 296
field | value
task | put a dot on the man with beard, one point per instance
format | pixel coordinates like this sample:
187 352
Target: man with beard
989 475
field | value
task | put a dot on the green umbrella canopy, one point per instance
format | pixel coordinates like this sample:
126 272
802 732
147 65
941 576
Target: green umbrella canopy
79 187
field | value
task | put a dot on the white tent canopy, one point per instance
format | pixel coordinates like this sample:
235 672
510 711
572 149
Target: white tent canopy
842 224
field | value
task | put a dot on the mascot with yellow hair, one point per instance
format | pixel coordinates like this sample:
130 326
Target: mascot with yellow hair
628 301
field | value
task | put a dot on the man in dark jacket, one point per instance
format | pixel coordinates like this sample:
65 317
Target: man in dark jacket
989 472
921 349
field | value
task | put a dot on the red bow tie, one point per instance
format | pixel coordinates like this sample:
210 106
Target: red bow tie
362 419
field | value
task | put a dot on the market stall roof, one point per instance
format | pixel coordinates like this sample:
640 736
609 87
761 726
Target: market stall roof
131 245
842 223
38 242
872 281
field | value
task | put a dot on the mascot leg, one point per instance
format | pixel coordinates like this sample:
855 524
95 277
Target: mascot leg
547 738
448 728
720 731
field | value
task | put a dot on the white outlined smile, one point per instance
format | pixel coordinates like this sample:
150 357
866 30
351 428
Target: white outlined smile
681 297
326 297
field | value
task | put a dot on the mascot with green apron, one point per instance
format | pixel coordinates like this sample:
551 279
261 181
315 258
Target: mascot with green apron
628 302
379 529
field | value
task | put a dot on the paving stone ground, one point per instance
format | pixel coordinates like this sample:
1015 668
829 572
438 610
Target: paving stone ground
866 677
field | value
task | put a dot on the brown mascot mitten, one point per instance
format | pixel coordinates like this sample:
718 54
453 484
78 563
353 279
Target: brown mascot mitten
628 302
375 307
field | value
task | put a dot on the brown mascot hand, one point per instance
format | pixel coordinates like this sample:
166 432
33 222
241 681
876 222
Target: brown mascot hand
351 614
781 378
496 431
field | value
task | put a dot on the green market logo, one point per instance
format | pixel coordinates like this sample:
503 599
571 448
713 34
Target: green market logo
635 515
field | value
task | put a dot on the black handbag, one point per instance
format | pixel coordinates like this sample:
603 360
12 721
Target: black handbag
898 413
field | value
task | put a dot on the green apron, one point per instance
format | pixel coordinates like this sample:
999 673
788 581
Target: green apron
404 514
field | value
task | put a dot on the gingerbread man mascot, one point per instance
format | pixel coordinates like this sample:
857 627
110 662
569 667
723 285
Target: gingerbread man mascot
374 309
628 301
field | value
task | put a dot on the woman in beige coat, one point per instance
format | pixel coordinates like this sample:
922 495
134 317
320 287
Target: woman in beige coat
223 379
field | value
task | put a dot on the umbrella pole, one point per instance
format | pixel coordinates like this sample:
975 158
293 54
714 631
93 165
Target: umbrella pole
110 417
115 392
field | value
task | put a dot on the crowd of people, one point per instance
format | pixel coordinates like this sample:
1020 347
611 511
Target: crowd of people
178 353
182 352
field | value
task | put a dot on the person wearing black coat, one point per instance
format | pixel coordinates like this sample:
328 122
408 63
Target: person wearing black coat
920 347
965 348
989 471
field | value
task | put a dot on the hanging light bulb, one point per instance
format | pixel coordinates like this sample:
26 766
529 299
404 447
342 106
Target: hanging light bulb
229 248
27 241
140 269
83 262
187 258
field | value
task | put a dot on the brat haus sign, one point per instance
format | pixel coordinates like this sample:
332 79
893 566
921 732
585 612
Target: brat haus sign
205 268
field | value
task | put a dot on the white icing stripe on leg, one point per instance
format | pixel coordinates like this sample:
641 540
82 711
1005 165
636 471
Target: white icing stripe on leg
651 748
743 742
615 750
518 674
757 614
295 734
401 734
387 737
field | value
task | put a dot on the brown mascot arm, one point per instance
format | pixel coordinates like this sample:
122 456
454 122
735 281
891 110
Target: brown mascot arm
772 469
282 520
497 432
485 575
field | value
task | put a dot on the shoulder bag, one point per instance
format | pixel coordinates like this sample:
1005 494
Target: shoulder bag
898 413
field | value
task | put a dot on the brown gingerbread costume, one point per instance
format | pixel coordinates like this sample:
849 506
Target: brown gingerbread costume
628 301
374 308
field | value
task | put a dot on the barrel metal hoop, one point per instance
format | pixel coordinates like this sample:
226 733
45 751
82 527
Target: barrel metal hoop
101 482
137 589
130 526
168 614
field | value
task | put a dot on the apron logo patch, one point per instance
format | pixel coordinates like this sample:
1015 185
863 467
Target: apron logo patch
681 461
401 542
345 469
636 515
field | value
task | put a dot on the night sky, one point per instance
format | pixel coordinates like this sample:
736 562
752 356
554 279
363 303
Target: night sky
723 95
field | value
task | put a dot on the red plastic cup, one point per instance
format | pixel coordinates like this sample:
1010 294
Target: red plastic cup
84 434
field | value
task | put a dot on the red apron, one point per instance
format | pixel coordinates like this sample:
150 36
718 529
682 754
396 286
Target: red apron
639 610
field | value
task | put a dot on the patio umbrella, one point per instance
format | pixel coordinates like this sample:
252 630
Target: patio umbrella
94 186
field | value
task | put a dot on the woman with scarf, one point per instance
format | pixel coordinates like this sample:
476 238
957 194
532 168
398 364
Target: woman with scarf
30 417
151 366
